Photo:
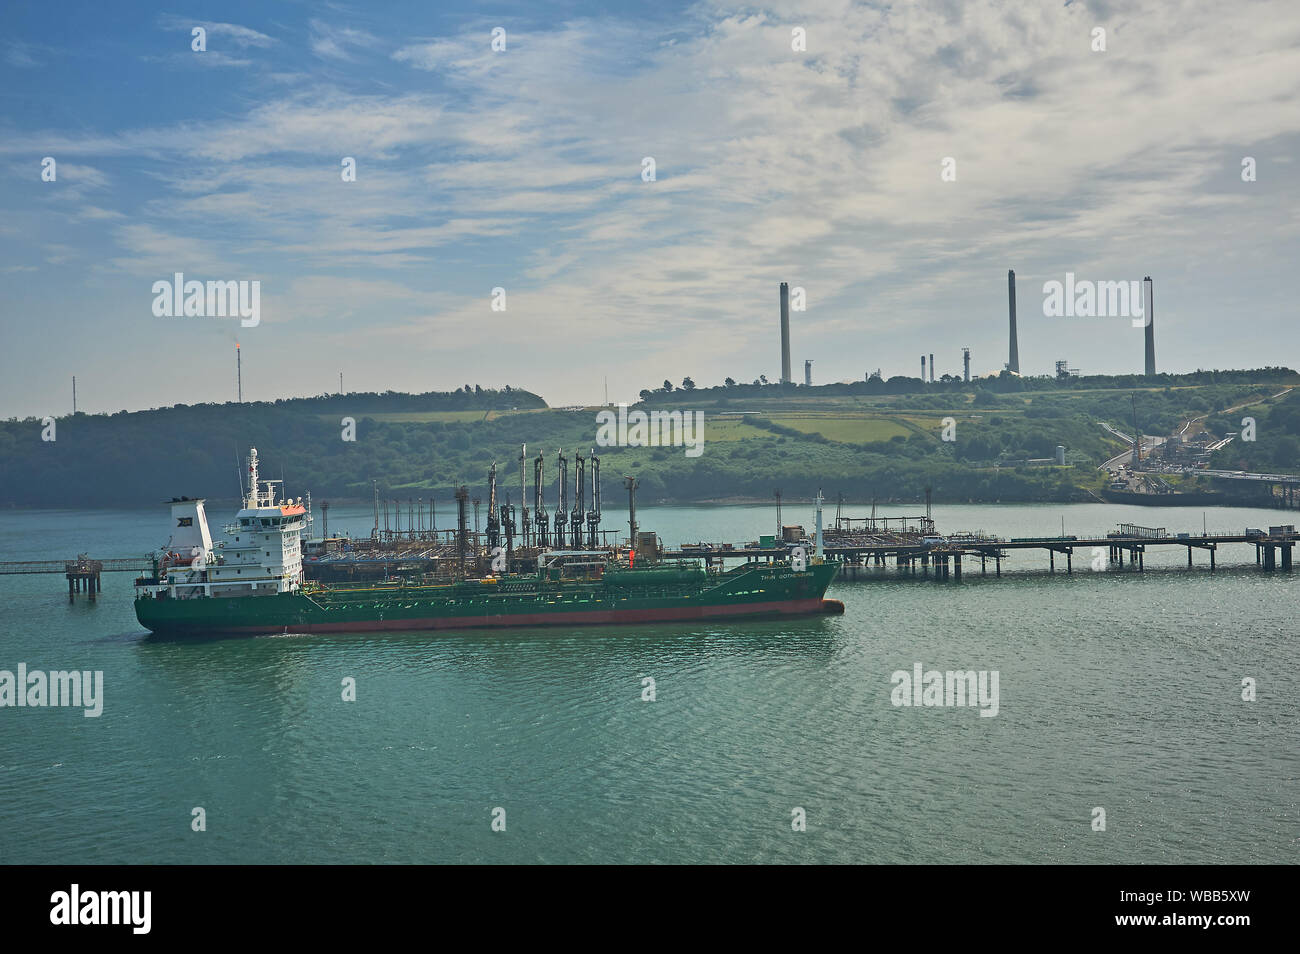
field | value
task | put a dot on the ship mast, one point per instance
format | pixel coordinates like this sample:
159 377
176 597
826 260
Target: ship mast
579 499
631 483
493 527
593 515
561 514
524 529
817 542
539 502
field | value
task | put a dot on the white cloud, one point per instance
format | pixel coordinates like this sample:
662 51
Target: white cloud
335 42
240 36
20 55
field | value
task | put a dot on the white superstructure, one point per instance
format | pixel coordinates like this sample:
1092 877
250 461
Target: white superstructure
260 555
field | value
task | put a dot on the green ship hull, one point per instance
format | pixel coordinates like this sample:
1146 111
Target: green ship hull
619 597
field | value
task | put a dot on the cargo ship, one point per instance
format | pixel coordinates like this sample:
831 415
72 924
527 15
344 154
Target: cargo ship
252 583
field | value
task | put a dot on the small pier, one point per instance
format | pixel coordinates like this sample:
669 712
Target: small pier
913 546
83 574
926 553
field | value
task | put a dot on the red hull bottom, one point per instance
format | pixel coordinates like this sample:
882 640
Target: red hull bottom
806 607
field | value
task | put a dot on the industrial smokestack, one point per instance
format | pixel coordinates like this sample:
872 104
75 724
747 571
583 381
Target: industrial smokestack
931 367
965 360
785 333
922 369
1149 311
807 373
1013 359
239 375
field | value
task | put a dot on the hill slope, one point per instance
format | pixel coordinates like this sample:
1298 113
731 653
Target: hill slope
841 438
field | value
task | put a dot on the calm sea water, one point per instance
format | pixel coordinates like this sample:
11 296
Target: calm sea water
1120 691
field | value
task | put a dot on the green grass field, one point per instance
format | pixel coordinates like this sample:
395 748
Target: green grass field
730 429
844 428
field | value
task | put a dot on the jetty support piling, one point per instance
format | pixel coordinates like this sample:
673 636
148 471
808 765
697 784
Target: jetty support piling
83 575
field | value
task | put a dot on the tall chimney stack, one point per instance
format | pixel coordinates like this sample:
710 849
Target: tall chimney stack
931 367
965 359
1149 312
922 369
785 333
1013 359
807 373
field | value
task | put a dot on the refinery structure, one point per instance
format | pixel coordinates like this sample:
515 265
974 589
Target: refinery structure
929 369
509 537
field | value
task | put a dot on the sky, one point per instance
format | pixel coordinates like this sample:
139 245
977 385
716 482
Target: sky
522 169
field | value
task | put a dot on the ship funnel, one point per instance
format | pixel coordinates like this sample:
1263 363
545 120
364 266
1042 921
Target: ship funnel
190 530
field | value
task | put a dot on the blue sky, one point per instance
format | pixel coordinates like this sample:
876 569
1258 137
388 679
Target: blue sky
522 169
